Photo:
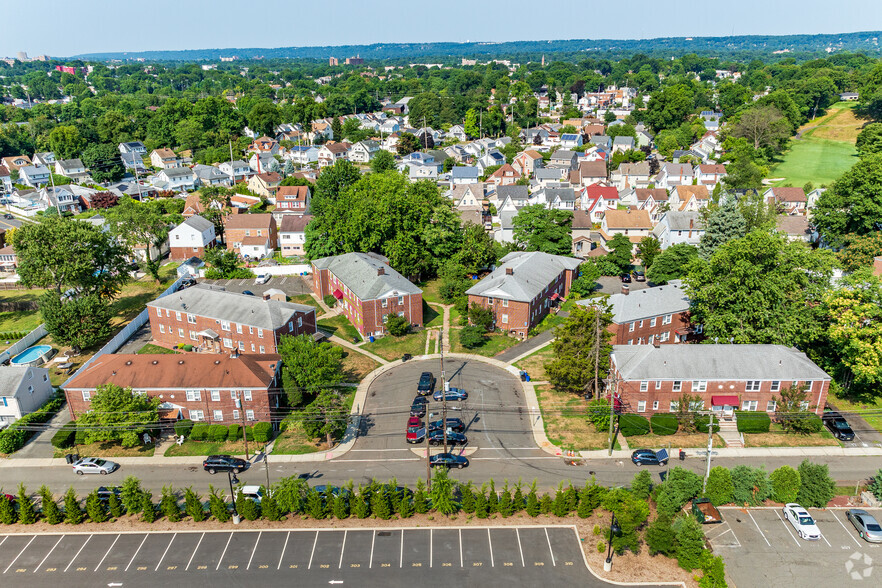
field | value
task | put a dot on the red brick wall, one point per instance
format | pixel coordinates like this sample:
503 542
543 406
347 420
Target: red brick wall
622 334
186 252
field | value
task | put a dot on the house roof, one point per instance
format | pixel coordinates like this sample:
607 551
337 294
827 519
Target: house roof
270 177
464 171
592 169
360 273
712 168
294 223
569 137
564 155
605 192
640 168
513 192
506 169
165 371
680 220
165 153
624 140
178 172
70 163
549 173
249 221
699 192
646 303
198 223
336 148
658 194
231 306
565 194
531 273
627 219
582 220
788 194
796 225
531 153
208 172
12 375
193 202
678 169
715 363
292 193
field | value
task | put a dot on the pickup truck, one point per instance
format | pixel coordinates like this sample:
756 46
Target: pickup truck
705 512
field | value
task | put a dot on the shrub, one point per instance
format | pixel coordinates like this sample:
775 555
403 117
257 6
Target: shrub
751 485
714 571
631 513
131 494
218 505
680 487
248 433
380 505
875 486
148 509
720 489
80 435
642 484
660 537
95 508
8 516
188 347
601 547
269 508
750 421
27 512
218 433
114 506
785 484
247 508
702 421
329 300
193 505
262 432
64 437
664 424
533 507
467 498
168 505
397 326
72 512
420 500
183 427
471 336
816 488
633 424
51 513
199 432
598 414
690 542
234 432
811 423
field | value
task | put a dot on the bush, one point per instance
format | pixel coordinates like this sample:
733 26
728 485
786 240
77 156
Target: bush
720 489
218 505
64 437
80 435
262 432
751 485
148 509
168 504
785 484
199 432
680 487
269 509
193 505
95 508
633 424
397 326
183 427
660 537
702 421
8 516
471 336
51 513
329 300
875 486
72 512
188 347
714 570
750 421
234 432
664 424
690 542
114 506
246 507
130 493
598 414
811 423
218 433
642 484
816 488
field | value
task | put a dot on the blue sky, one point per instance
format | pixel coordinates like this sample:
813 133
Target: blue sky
69 27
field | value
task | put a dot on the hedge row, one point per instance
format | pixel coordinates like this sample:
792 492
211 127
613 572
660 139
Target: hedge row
664 424
633 424
13 437
752 421
65 436
12 335
259 432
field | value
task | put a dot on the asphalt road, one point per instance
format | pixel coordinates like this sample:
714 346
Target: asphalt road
8 223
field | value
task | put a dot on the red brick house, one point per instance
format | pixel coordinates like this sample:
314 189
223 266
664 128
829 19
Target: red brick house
523 287
251 235
368 289
219 321
200 387
652 378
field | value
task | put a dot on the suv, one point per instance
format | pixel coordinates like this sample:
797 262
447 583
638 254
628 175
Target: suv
838 426
224 463
639 276
453 423
427 384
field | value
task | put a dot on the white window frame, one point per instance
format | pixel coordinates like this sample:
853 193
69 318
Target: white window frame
655 405
249 414
630 327
678 385
215 395
228 343
772 406
180 332
652 321
246 394
217 415
87 396
749 405
644 386
776 385
196 414
235 414
261 349
699 386
260 333
177 316
193 336
666 320
401 301
675 406
162 329
194 395
505 318
658 384
191 318
239 328
384 303
804 405
641 406
225 325
505 302
752 385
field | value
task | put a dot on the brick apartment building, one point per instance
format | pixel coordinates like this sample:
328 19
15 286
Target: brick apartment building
200 387
727 377
522 289
251 235
368 289
217 321
191 238
650 315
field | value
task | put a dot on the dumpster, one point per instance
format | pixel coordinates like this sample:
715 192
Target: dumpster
705 512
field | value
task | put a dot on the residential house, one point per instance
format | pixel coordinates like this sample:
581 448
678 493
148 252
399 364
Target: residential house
260 163
464 174
368 290
796 228
302 154
689 198
593 204
23 389
654 200
331 153
564 159
676 227
634 224
5 181
584 236
544 177
467 196
264 146
241 202
46 158
64 198
8 259
527 161
622 143
726 377
789 200
631 175
570 141
390 125
136 147
417 171
238 170
164 159
561 198
292 199
492 158
133 161
604 141
292 234
33 175
709 174
266 185
504 176
364 151
181 179
811 197
191 238
16 162
644 137
523 287
320 128
608 194
251 235
592 172
209 175
674 174
458 133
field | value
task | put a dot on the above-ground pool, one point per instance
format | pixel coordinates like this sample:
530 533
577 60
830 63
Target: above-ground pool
36 355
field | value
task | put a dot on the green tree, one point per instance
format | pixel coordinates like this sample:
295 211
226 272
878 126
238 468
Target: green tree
471 123
642 484
407 144
762 126
785 484
660 537
586 283
95 508
816 488
757 213
66 142
472 336
27 512
130 493
743 173
481 316
751 485
720 489
135 224
119 415
631 514
81 322
442 493
859 251
264 117
218 505
72 512
668 108
793 410
148 509
869 141
576 353
620 253
855 332
325 416
853 203
168 505
722 224
51 513
536 228
647 250
398 326
308 367
671 263
478 251
690 542
103 161
383 161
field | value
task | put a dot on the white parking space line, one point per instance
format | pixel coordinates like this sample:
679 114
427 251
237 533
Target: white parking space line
4 540
253 551
230 538
343 548
547 538
166 551
430 548
194 552
78 552
825 540
309 567
758 529
847 532
48 554
373 538
460 548
19 554
521 549
787 527
108 551
401 551
136 552
284 547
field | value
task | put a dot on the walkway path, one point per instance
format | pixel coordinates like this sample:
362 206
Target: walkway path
357 349
445 339
525 348
40 445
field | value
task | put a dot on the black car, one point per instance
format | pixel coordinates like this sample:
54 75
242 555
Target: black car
247 292
224 463
453 423
838 426
187 282
436 437
626 278
639 276
418 408
647 457
449 460
453 394
9 216
427 384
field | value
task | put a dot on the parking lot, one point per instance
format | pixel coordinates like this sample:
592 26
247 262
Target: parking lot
762 549
290 285
373 557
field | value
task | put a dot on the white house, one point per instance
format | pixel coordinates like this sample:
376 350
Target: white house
208 175
23 389
191 238
133 147
302 154
71 168
175 178
239 170
164 158
34 175
677 227
292 234
674 174
363 151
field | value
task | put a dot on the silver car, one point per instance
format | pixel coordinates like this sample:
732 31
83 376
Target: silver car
867 527
94 465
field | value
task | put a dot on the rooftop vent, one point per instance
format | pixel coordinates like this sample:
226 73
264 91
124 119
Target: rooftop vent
509 271
129 362
180 362
154 362
381 271
216 362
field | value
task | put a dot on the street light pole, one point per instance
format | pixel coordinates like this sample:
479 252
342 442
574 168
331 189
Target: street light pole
231 476
710 445
614 530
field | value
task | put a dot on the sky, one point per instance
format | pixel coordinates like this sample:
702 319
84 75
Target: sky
63 28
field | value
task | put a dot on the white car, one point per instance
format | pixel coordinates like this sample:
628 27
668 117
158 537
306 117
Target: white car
802 521
262 279
253 492
94 465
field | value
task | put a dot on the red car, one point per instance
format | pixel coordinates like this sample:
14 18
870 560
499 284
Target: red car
416 430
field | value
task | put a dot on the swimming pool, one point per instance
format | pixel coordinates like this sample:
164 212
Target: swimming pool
36 355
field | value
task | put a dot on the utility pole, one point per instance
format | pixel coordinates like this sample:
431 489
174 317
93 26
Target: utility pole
443 395
596 350
710 445
612 411
240 401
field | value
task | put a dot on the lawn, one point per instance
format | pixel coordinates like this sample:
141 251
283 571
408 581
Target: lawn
190 447
339 325
106 449
19 320
495 343
776 437
308 300
356 365
535 364
393 348
150 349
566 421
431 291
839 124
552 320
432 316
293 441
674 442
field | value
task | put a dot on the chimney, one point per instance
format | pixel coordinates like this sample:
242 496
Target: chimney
381 271
509 271
626 289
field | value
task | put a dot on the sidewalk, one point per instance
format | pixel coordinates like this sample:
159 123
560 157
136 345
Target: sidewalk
526 348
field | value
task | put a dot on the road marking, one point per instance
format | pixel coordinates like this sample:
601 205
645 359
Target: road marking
430 548
787 526
136 552
194 552
847 532
460 548
758 529
490 542
309 567
108 551
281 557
343 548
248 567
166 551
230 538
78 552
378 450
496 458
521 549
825 540
4 540
383 460
401 553
373 538
547 538
48 554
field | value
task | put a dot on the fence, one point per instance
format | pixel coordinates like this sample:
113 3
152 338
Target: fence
23 343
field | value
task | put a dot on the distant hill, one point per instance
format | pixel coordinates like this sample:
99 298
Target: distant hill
719 46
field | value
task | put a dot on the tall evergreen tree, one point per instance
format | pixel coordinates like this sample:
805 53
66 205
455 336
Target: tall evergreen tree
721 226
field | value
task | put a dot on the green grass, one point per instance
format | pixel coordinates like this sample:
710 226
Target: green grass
432 317
339 325
495 343
454 317
309 301
193 448
20 320
150 349
566 421
293 441
819 161
535 364
392 348
869 407
430 291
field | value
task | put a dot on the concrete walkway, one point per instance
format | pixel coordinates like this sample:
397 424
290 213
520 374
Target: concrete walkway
445 339
40 445
525 348
356 348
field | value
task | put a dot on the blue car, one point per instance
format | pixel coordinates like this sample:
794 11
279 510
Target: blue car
436 437
649 457
453 394
453 423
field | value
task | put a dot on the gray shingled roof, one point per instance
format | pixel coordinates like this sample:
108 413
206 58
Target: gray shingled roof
198 223
565 194
544 173
231 306
531 273
515 192
10 378
645 303
715 362
359 272
679 221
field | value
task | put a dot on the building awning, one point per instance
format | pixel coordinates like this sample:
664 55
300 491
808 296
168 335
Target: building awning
683 332
724 400
338 294
555 296
169 414
210 334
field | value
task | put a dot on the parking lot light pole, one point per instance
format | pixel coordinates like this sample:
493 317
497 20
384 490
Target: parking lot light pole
710 446
614 530
231 476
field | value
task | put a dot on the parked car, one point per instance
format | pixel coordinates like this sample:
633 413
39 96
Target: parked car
224 463
802 521
252 492
453 394
453 423
626 278
448 459
416 430
649 457
866 525
426 384
838 426
262 279
9 216
436 437
94 465
639 276
247 292
418 408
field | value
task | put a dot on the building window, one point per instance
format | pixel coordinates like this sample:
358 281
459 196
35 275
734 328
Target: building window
677 385
228 343
252 348
630 327
652 322
218 415
225 325
191 318
675 406
215 395
641 406
193 395
247 394
196 415
664 337
87 395
290 325
658 384
249 415
752 386
241 346
505 318
772 406
699 386
260 333
644 386
749 405
641 324
193 336
250 330
401 301
505 302
776 385
235 415
261 349
385 302
177 316
239 329
666 320
299 321
162 328
234 395
655 405
181 333
804 405
630 341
